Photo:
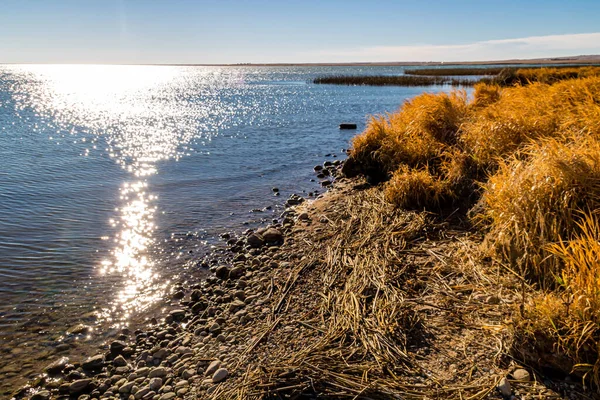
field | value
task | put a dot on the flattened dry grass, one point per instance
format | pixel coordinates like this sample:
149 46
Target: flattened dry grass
527 159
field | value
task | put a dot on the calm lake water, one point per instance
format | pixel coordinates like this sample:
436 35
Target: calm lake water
110 175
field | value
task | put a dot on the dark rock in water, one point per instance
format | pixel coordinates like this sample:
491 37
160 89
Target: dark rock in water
273 235
294 200
327 164
79 329
222 272
225 235
57 366
275 189
79 386
178 295
321 175
255 240
117 347
318 167
347 126
326 183
94 363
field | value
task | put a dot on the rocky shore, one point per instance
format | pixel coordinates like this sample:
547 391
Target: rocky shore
342 296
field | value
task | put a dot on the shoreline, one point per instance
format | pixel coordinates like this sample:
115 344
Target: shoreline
265 321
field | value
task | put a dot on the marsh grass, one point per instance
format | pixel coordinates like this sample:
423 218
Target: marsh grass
385 80
526 159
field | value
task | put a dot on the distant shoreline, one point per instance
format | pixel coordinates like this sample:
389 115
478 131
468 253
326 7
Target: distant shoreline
581 60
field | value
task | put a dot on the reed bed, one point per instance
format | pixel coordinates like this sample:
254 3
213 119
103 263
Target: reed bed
463 71
525 159
385 80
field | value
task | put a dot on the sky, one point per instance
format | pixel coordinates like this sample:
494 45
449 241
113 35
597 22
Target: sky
290 31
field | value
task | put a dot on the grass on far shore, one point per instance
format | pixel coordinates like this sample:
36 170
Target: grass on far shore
522 164
451 76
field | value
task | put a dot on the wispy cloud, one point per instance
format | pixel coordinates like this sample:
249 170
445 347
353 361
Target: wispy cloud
527 47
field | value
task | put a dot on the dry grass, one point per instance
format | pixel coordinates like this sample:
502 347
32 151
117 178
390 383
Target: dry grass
413 189
532 153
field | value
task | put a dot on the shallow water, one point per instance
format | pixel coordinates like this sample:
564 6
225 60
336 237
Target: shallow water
110 175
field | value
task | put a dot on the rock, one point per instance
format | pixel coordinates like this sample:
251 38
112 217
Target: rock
184 350
504 387
521 375
275 190
347 126
79 329
117 347
159 372
155 384
273 235
141 393
237 272
57 366
222 272
79 386
188 373
167 396
220 375
326 183
119 361
318 168
126 388
215 328
212 367
199 307
43 395
303 216
94 363
255 240
177 315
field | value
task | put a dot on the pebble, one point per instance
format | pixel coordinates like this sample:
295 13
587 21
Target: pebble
159 372
93 363
119 361
255 240
79 386
43 395
220 375
504 387
177 315
273 235
126 388
57 366
522 375
167 396
155 384
212 367
117 347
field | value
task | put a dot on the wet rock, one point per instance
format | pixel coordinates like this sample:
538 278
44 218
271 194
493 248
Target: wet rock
78 329
273 235
522 375
220 375
275 190
94 363
255 240
79 386
117 347
178 295
326 183
504 387
318 167
294 200
57 366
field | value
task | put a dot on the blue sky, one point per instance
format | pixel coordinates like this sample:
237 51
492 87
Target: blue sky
227 31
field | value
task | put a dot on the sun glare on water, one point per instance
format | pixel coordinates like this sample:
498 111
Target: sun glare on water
135 111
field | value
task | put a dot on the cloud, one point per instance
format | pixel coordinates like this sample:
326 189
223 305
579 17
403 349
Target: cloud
527 47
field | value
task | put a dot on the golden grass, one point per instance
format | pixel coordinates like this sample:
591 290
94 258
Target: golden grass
414 189
532 154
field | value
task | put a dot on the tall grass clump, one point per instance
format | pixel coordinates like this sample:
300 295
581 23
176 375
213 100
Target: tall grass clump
415 136
531 203
416 189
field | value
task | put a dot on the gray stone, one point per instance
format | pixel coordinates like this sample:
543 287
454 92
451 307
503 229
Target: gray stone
177 315
504 387
215 328
126 388
222 272
79 386
522 375
117 347
220 375
141 393
167 396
